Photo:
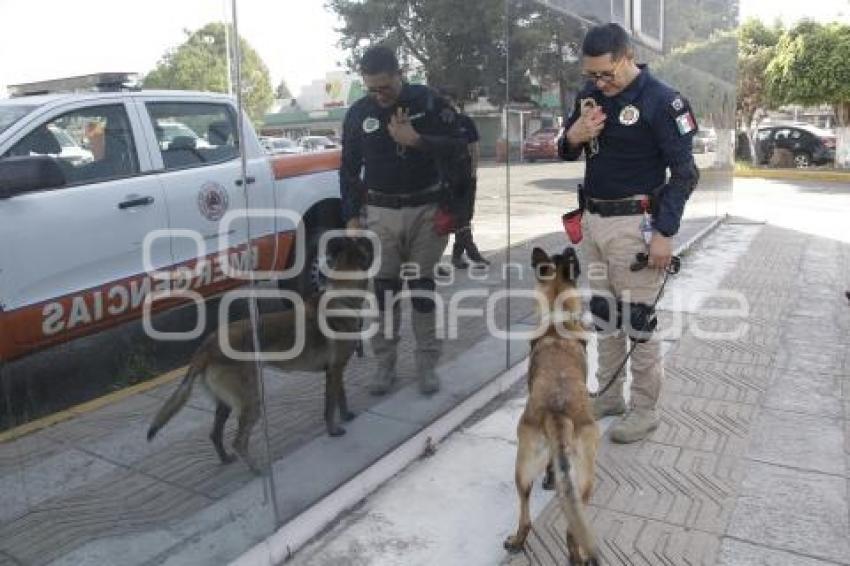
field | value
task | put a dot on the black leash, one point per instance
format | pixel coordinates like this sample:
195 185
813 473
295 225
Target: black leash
641 261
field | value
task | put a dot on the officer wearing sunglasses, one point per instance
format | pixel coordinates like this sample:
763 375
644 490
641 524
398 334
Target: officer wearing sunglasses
632 129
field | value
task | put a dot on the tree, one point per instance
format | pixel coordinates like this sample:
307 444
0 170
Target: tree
705 73
695 21
550 45
200 63
756 47
810 67
282 90
456 44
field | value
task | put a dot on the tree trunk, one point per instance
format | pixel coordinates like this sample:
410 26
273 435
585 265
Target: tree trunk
725 155
842 135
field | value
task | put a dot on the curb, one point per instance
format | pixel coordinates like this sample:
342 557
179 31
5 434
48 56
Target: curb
685 247
296 533
281 545
89 406
793 175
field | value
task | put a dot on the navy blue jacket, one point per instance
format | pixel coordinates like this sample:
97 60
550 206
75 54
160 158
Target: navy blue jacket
649 128
373 161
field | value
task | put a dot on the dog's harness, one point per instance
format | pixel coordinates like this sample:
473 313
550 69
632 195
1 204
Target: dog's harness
641 261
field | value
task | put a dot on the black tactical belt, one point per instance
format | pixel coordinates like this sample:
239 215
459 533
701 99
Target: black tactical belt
618 207
405 200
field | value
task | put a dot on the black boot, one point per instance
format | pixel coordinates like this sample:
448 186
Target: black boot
473 253
457 255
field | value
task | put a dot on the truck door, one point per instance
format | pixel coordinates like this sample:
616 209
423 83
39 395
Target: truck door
71 259
201 178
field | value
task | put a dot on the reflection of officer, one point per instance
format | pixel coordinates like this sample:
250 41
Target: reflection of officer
464 241
390 142
632 130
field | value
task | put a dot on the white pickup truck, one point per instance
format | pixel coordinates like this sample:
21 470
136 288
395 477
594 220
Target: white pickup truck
84 177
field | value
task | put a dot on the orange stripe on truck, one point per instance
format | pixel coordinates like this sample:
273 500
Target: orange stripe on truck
34 327
286 166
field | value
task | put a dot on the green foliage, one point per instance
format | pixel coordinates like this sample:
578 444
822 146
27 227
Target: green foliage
756 48
462 44
705 73
695 21
810 66
200 63
457 44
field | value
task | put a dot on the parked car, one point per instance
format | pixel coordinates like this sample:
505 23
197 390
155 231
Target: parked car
275 146
809 145
316 143
542 144
72 261
705 140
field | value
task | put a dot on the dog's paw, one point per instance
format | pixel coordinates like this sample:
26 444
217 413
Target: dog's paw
512 545
548 482
348 416
227 459
336 431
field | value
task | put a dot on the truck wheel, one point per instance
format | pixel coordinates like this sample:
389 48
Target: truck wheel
311 280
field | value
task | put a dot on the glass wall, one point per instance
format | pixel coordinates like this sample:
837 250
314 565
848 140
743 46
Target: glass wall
164 224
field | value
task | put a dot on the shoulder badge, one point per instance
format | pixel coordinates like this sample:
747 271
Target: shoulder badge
678 104
629 115
447 115
371 124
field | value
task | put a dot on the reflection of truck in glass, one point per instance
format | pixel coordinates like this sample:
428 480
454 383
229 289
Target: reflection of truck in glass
73 230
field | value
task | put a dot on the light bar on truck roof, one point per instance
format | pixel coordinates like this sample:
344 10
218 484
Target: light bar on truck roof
98 82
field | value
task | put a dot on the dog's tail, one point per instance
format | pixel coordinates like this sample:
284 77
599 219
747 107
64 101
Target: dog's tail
558 428
174 403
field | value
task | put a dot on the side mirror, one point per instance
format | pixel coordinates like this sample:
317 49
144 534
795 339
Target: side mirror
28 173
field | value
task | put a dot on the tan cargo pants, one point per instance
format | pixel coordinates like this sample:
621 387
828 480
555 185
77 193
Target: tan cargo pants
609 247
407 236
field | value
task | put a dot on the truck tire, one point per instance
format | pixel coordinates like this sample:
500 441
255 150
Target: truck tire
310 280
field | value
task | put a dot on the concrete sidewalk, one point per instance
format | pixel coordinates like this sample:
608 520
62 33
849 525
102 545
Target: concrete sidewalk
750 465
752 460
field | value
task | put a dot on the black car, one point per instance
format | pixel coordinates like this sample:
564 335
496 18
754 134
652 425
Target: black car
808 145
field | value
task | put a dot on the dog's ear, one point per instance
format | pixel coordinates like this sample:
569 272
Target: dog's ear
541 264
571 268
539 256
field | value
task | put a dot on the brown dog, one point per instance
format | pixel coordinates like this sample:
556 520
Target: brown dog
557 425
233 383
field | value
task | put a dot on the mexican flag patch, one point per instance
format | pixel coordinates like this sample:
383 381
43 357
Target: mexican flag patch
685 123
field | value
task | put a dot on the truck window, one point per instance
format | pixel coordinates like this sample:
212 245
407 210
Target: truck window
91 144
193 134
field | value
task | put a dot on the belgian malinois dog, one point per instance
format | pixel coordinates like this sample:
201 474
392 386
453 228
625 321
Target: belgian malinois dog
234 384
557 427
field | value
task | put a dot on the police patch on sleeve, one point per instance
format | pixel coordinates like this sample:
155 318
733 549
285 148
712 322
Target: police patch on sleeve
686 123
371 124
447 115
678 104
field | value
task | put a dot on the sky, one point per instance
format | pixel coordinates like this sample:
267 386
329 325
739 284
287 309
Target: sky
295 38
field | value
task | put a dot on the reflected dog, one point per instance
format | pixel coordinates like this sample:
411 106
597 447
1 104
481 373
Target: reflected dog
557 425
233 384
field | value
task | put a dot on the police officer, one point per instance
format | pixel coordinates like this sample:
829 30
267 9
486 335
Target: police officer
389 183
465 198
631 128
